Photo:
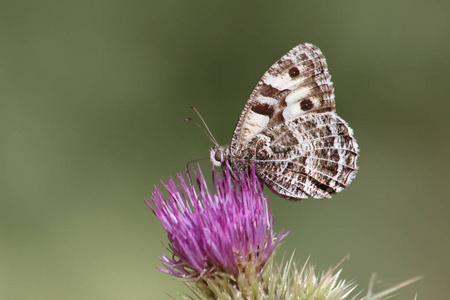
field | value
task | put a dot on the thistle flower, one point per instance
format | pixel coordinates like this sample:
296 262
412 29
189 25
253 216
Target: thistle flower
223 245
224 232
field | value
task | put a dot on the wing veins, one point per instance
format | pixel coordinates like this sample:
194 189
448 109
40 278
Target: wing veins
308 168
285 189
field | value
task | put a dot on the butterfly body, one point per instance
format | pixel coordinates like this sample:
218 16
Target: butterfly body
289 129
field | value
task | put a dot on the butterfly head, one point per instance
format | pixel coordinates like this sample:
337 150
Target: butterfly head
219 155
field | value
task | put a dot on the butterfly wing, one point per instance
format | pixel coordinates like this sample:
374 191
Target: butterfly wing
311 156
297 84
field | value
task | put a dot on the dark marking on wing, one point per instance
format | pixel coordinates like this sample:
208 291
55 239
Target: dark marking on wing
306 105
278 118
294 72
324 187
263 109
267 90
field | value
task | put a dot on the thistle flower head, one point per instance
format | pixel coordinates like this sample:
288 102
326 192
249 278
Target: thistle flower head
224 231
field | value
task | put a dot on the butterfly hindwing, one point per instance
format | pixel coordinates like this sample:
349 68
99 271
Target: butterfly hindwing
311 156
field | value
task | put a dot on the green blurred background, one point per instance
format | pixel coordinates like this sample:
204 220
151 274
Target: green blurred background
93 97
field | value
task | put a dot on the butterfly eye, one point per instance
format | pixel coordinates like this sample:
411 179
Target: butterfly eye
218 156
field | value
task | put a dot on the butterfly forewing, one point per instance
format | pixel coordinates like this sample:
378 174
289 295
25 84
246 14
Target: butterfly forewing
297 84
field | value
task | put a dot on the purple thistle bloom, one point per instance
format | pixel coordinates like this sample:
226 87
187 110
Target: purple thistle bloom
225 231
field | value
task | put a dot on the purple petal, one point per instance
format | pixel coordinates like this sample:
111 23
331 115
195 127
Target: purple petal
224 231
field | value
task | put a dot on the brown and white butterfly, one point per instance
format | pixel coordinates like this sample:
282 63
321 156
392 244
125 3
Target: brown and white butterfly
289 129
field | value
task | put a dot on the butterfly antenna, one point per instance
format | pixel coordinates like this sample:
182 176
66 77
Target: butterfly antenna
213 139
194 160
204 131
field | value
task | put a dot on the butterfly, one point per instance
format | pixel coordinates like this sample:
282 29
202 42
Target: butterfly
288 128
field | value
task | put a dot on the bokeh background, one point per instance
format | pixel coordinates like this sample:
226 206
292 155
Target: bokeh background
93 97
